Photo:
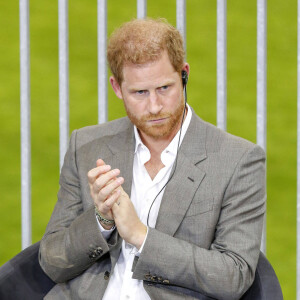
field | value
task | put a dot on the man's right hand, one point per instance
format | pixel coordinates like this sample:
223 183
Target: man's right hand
104 187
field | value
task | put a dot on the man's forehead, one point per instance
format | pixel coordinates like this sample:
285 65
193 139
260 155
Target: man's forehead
137 77
163 63
147 62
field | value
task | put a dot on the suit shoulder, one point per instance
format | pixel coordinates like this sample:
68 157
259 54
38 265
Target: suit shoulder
220 140
87 134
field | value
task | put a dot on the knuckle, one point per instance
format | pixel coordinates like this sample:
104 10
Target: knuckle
98 183
103 207
115 195
116 183
107 205
112 173
101 195
105 191
94 188
89 176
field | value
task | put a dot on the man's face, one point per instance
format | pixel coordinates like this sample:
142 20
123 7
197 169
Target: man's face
153 97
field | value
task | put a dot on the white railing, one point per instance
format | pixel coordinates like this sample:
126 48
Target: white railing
25 123
63 46
102 69
261 129
221 64
298 156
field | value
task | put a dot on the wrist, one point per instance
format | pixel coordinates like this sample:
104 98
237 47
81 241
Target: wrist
139 236
105 226
106 223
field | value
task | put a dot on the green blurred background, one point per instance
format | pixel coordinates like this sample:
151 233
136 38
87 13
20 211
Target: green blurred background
201 54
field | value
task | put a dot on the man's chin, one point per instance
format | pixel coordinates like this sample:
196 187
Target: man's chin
156 132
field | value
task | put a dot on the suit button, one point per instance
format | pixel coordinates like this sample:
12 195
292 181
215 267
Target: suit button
106 275
99 251
92 255
166 281
147 276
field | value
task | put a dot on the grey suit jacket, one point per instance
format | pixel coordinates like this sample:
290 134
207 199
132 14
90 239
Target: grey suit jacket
207 237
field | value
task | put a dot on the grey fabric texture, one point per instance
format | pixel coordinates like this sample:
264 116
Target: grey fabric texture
207 237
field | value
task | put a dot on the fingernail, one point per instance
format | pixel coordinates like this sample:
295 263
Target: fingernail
120 180
116 171
106 167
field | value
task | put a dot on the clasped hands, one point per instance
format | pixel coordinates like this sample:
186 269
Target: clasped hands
113 203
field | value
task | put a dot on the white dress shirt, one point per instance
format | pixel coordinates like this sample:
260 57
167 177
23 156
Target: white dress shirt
121 285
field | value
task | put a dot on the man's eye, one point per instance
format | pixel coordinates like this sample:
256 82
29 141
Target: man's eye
141 92
165 87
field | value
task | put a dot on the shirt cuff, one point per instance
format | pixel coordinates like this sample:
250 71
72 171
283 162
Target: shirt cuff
141 249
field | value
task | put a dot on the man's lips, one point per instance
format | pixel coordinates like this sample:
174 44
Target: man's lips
157 121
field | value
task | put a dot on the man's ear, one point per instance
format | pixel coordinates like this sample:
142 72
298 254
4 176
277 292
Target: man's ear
116 87
186 67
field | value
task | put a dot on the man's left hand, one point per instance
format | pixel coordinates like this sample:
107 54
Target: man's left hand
129 226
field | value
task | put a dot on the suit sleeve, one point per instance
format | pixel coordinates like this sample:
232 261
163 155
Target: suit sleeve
73 240
227 269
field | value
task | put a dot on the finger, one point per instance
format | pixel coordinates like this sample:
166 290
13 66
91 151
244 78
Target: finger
114 198
105 207
105 178
93 174
110 188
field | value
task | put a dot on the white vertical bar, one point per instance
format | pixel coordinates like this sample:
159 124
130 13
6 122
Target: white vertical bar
141 9
181 19
222 64
63 35
261 86
102 68
298 155
25 123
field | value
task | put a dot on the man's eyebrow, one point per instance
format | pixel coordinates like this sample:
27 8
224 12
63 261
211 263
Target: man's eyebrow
135 89
164 83
169 82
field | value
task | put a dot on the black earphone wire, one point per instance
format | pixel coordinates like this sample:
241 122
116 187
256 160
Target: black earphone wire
175 165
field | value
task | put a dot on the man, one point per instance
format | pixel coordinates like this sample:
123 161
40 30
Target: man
159 205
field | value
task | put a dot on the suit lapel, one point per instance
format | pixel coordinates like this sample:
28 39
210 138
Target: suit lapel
116 150
121 157
188 176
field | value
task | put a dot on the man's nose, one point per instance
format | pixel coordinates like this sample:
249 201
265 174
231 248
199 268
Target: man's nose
154 103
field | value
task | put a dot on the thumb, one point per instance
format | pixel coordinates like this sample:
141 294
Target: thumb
100 162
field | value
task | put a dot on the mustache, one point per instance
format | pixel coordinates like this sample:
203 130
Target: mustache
152 117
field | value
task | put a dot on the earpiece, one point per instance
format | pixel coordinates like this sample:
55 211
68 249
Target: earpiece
184 77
